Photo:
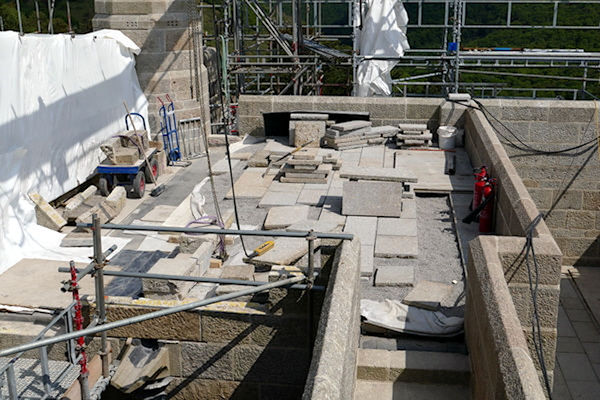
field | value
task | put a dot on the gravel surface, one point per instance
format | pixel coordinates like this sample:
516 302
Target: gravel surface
439 257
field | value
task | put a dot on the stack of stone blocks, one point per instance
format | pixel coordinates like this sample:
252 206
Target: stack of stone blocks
413 136
306 166
356 134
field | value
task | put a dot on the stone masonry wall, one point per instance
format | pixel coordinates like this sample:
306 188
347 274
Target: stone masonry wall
514 212
501 364
228 350
332 373
165 65
550 125
383 110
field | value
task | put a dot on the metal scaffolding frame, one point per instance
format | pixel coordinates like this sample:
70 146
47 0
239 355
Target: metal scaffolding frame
280 47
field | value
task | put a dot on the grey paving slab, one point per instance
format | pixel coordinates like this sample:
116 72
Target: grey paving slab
241 272
363 227
313 197
317 226
576 367
372 156
253 183
285 252
586 331
397 227
385 130
274 199
377 174
282 217
409 209
222 166
392 275
285 187
285 179
397 246
309 117
274 147
367 198
428 295
587 390
412 127
159 213
77 239
366 260
351 125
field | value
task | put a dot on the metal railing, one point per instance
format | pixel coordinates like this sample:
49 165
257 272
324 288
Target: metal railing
7 372
96 268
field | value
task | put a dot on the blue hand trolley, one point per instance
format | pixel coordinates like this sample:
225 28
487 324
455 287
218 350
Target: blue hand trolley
168 128
134 177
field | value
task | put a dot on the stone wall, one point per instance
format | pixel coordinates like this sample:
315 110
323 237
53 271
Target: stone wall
514 212
501 364
550 125
165 65
383 111
332 373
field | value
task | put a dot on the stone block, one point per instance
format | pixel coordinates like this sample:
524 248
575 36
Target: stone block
285 252
308 132
392 275
366 259
78 199
45 214
351 125
163 289
309 116
282 217
377 174
365 228
312 197
126 156
409 209
396 227
428 295
103 210
77 239
202 257
116 199
253 183
365 199
259 159
239 272
396 246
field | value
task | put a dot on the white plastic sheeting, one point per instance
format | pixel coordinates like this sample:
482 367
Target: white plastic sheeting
395 316
60 97
383 34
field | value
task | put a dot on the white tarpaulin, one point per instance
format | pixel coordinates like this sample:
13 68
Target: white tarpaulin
393 315
60 97
383 34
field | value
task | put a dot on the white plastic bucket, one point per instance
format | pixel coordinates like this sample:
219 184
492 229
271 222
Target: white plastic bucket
447 137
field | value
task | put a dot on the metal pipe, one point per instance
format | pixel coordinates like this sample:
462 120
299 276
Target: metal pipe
152 315
218 231
311 258
143 275
12 382
99 280
45 371
83 272
19 15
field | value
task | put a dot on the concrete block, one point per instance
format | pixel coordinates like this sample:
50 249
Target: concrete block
285 252
351 125
365 228
396 227
377 174
396 246
282 217
365 199
45 214
428 295
392 275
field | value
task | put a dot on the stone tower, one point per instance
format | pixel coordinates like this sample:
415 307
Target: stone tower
161 28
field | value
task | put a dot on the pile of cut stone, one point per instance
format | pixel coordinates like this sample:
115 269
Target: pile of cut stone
413 135
355 134
307 128
306 166
126 148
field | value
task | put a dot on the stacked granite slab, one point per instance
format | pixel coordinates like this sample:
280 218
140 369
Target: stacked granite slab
125 148
306 166
355 134
413 136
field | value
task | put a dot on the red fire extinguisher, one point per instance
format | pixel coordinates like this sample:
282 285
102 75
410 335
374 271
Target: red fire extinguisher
481 177
486 214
